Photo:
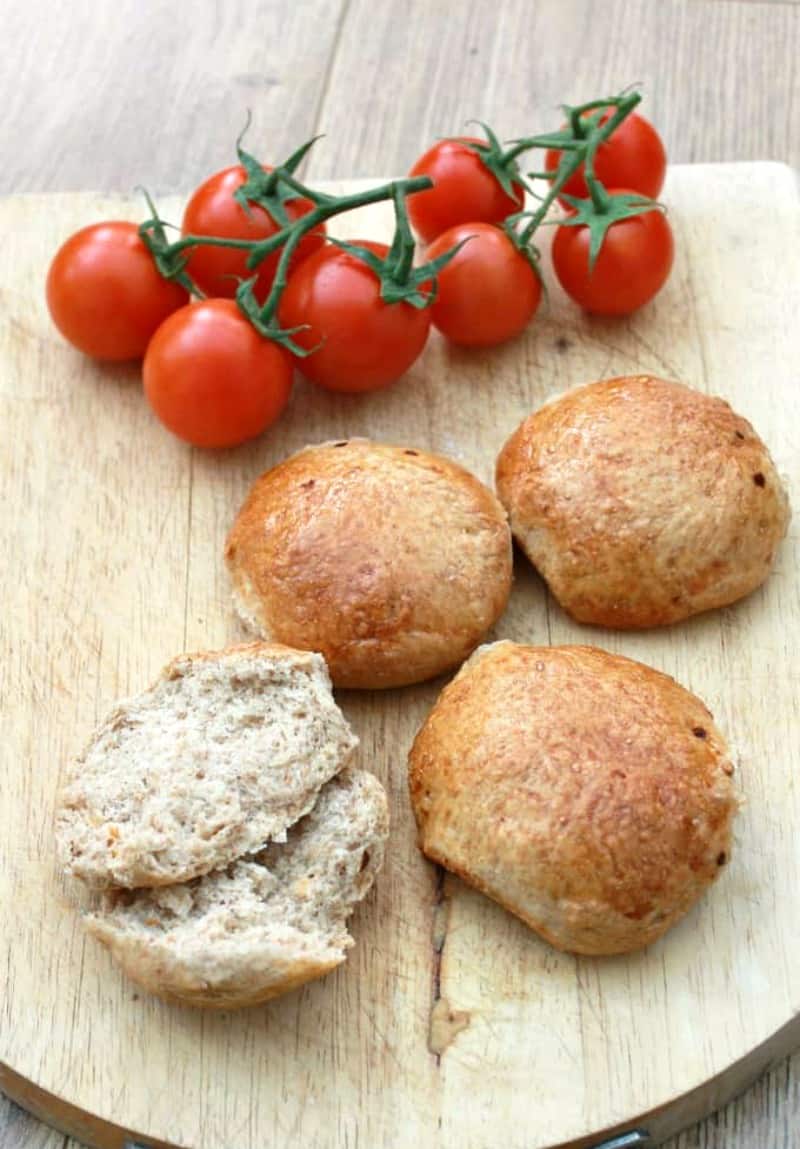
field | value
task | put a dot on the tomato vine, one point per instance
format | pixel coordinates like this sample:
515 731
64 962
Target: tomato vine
587 128
400 280
578 143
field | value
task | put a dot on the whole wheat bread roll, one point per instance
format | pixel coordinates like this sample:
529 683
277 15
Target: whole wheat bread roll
585 792
642 501
221 755
391 562
263 925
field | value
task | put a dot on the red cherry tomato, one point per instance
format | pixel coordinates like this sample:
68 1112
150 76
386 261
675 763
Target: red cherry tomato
633 265
464 191
633 157
212 210
362 342
105 293
488 292
212 379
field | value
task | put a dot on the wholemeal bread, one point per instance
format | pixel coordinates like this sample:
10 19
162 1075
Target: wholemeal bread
587 793
390 562
263 925
642 501
221 755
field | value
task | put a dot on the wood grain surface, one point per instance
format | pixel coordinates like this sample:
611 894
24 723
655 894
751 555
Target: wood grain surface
92 484
108 95
101 95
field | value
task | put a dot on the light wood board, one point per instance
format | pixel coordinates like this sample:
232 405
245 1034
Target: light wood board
450 1022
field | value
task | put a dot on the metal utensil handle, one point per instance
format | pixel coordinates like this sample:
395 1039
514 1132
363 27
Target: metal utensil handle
625 1140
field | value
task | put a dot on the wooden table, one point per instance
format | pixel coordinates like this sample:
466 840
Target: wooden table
105 95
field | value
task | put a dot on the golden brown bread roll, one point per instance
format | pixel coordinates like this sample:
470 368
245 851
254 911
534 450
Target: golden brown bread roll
585 792
391 562
642 502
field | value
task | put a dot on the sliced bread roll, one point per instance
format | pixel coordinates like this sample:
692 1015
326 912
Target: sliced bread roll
264 925
220 756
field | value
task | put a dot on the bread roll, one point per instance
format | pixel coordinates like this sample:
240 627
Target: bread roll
585 792
220 756
390 562
642 502
265 924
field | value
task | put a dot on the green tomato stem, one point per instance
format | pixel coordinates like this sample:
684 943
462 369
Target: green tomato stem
599 195
209 241
329 207
583 154
401 256
301 189
593 105
289 237
578 128
270 307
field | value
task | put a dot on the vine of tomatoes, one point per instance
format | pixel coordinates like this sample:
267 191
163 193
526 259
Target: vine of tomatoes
254 287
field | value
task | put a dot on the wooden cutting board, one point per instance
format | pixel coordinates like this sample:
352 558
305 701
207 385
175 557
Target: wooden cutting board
451 1023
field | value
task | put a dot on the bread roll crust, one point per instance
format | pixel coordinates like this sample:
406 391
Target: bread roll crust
391 562
159 970
642 502
587 793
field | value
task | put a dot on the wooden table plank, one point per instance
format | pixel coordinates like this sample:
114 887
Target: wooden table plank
720 78
105 96
20 1131
767 1116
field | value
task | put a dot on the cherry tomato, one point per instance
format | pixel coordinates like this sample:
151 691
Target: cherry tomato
464 191
633 265
362 343
105 293
212 379
488 292
212 210
633 157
